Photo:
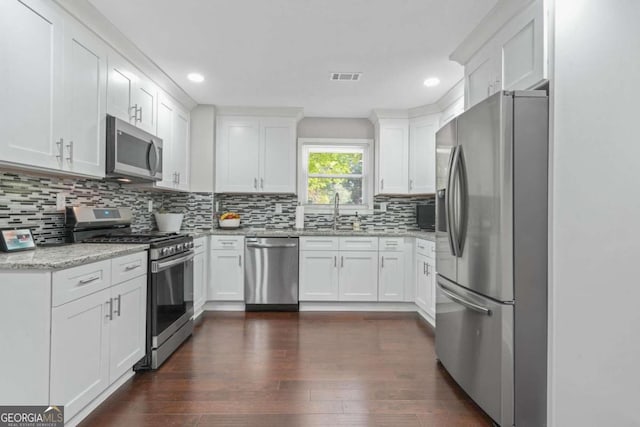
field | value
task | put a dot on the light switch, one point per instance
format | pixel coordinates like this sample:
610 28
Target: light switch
278 208
61 201
150 206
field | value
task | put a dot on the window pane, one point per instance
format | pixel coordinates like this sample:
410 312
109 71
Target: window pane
335 163
321 191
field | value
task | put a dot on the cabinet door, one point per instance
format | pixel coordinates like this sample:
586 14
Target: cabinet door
85 83
227 276
120 87
166 113
393 157
31 83
431 288
358 276
128 328
421 282
80 351
318 276
483 77
422 155
391 282
145 99
180 148
237 155
278 156
199 280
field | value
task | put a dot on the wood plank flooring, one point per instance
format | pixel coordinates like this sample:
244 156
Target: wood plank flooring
297 369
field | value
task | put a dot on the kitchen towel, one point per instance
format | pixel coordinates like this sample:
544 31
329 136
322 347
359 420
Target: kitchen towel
299 217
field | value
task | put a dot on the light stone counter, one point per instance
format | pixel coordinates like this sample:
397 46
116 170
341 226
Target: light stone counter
65 256
257 232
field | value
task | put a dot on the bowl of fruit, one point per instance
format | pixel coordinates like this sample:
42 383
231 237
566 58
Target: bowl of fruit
229 220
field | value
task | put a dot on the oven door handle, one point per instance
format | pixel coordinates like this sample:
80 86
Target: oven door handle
158 266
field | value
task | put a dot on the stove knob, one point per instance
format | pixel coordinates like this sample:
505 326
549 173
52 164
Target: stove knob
171 250
164 251
190 245
179 247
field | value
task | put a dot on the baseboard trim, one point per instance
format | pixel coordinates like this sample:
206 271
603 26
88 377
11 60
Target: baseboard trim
426 316
77 419
357 306
223 306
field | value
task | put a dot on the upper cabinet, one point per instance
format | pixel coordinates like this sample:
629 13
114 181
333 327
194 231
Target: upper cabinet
405 154
57 87
514 58
255 155
131 96
173 129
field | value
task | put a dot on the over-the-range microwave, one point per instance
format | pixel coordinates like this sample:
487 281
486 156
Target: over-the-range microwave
133 155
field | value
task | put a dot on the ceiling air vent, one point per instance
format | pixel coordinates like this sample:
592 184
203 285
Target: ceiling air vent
345 77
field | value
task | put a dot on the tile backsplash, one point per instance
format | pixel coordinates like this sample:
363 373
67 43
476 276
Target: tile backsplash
258 210
30 201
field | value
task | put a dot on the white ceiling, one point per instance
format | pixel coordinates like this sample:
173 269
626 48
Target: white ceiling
279 53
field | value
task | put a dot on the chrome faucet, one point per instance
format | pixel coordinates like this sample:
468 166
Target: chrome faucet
336 211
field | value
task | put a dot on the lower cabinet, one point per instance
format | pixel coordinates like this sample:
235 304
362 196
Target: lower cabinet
227 269
390 279
319 276
358 276
200 274
425 278
95 339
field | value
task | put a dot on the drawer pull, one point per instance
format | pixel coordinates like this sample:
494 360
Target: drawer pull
131 267
88 280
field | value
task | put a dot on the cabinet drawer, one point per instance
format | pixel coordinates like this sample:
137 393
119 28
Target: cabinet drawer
200 245
393 244
426 248
77 282
319 243
128 267
358 243
227 242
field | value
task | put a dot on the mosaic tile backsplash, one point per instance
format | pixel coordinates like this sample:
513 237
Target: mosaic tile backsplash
258 210
30 201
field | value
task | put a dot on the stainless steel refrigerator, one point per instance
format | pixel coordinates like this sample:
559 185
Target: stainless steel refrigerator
491 254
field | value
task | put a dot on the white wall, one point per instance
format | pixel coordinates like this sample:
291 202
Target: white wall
320 127
595 293
202 148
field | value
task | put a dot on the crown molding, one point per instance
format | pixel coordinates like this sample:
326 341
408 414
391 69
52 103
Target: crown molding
96 22
232 110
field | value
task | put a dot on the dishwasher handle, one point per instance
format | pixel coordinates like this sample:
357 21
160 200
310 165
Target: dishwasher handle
269 246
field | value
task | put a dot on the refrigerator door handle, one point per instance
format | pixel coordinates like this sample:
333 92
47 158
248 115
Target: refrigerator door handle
448 208
468 304
454 240
463 214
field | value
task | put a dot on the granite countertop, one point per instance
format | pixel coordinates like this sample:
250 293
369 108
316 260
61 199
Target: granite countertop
258 232
65 256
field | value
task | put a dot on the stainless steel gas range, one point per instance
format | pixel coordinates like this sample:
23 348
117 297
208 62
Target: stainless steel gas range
169 272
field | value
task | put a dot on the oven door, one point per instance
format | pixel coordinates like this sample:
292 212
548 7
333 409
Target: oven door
171 294
132 153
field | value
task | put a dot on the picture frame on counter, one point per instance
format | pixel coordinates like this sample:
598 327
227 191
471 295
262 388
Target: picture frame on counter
16 239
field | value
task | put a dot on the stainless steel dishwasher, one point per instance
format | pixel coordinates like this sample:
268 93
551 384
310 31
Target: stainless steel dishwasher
271 274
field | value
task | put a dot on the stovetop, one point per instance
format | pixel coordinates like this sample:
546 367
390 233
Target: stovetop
148 238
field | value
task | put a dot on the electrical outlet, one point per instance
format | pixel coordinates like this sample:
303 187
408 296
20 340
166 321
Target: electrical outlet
278 208
61 201
150 206
383 207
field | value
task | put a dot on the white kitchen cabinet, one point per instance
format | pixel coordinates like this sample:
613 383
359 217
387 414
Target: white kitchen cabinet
422 154
200 274
514 58
131 96
391 281
255 154
226 262
319 273
173 129
426 277
423 293
80 351
127 330
358 276
31 83
85 85
392 156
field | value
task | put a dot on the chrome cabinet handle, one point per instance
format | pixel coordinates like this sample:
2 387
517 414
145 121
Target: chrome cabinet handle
262 183
134 110
139 110
424 268
89 280
110 314
341 261
410 184
382 184
490 89
382 264
60 145
131 267
118 311
179 178
239 260
255 183
70 148
335 261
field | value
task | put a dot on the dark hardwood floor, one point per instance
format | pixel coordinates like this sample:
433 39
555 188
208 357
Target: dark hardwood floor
297 369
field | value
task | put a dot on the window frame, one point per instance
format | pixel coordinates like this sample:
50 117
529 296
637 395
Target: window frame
304 144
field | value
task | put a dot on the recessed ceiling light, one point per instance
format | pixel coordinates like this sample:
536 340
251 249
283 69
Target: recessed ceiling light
432 81
195 77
